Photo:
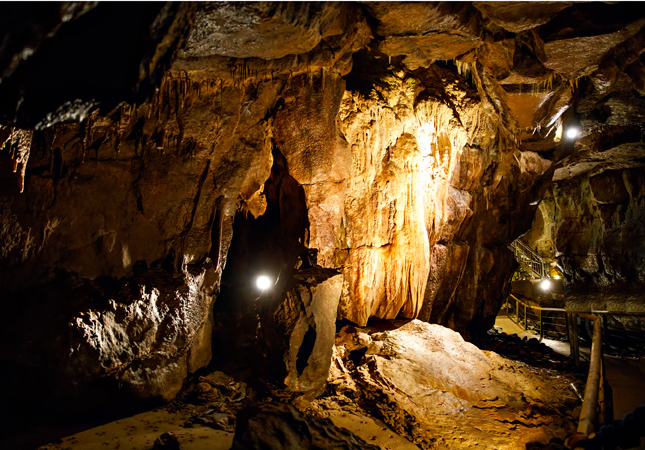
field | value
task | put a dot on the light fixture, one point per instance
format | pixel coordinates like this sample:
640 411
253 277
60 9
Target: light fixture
545 285
557 277
263 282
572 133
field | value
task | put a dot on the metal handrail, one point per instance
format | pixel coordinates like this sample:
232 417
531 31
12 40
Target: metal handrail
529 258
534 307
594 397
594 389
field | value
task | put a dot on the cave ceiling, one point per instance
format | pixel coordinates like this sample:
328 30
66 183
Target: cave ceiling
151 168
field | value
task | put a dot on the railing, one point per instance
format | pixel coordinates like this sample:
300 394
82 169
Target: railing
597 404
529 259
525 307
594 399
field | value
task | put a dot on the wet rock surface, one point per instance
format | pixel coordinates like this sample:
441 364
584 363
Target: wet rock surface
527 350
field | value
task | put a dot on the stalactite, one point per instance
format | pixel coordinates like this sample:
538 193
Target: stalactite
20 148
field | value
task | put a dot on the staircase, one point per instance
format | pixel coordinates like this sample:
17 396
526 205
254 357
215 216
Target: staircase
529 260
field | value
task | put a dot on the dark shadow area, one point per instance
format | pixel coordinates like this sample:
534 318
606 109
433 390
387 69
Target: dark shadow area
269 245
304 352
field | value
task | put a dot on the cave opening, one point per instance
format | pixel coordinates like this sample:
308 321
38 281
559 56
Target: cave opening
270 245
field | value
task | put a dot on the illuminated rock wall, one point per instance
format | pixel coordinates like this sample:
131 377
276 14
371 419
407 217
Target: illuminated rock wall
403 145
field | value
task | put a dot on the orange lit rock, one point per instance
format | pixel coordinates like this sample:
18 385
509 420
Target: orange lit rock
518 16
438 391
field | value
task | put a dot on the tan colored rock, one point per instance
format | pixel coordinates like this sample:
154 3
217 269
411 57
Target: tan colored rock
306 132
266 29
305 323
520 16
419 18
424 32
422 51
438 391
581 56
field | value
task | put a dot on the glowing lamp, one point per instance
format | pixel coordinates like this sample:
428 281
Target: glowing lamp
545 285
557 277
572 133
263 282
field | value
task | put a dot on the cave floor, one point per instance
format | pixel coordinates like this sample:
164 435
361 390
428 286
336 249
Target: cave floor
403 389
140 431
626 377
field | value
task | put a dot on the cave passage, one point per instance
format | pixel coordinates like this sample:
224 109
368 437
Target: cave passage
399 172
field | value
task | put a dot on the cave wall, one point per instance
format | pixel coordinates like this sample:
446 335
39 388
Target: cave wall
590 220
402 145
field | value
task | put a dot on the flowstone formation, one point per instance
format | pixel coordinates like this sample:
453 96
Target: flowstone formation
375 156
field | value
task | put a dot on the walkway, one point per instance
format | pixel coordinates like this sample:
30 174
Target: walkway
626 377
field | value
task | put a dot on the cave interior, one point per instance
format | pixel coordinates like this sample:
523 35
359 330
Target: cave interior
287 224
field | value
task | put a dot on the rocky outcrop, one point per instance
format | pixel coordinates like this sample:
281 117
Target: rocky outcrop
301 331
417 377
402 145
281 426
590 221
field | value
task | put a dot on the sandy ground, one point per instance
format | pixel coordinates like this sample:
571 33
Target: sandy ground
139 433
371 430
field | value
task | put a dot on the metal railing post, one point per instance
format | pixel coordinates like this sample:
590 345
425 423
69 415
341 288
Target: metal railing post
588 414
573 337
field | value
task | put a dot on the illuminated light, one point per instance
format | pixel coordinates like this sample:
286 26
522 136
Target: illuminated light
545 285
557 277
572 133
263 282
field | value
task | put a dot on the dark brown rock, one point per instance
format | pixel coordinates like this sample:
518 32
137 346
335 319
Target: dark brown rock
518 16
93 55
167 441
281 426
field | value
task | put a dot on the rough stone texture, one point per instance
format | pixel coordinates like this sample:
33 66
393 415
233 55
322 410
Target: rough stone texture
590 221
59 61
424 32
404 145
110 198
305 327
392 222
517 16
281 426
269 30
429 385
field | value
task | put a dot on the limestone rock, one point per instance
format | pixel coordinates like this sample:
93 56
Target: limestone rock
281 426
303 327
517 17
262 29
438 391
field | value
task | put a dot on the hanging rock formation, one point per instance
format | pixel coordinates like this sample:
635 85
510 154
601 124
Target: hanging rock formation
403 146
